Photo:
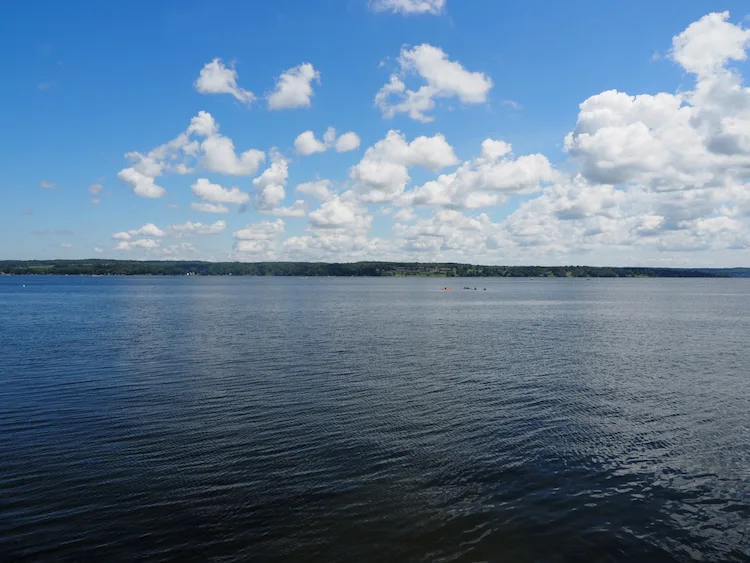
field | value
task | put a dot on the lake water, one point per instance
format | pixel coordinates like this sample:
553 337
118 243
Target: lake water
347 419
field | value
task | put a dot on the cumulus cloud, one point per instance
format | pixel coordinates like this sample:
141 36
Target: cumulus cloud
434 7
200 144
143 185
348 141
140 243
708 44
262 230
649 177
176 251
487 180
129 240
219 156
155 248
306 143
341 212
446 230
149 230
215 78
270 184
259 238
319 189
98 249
442 78
44 184
189 228
383 172
297 209
693 139
345 246
404 215
294 88
209 207
214 193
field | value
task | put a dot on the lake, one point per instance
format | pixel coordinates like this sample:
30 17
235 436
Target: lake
380 419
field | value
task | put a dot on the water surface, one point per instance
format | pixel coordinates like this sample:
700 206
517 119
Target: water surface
347 419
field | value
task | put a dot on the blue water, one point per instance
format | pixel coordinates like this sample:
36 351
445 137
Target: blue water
348 419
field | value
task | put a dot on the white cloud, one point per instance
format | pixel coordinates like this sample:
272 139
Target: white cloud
259 238
140 243
189 228
219 156
215 78
180 156
434 7
382 174
306 143
339 245
708 44
348 141
654 179
46 185
487 180
96 200
175 251
143 185
319 189
697 138
148 230
442 78
98 249
214 193
66 245
203 125
128 241
209 207
297 209
270 184
262 230
405 215
294 88
448 231
341 212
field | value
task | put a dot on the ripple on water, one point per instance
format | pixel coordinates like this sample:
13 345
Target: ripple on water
374 419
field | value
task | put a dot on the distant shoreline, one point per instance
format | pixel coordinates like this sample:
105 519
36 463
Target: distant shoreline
98 267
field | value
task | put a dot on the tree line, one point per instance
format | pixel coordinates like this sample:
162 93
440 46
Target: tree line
181 268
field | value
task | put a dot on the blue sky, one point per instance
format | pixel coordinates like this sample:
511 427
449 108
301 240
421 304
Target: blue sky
88 82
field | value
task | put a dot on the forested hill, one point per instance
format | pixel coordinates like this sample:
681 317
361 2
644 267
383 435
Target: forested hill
178 268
